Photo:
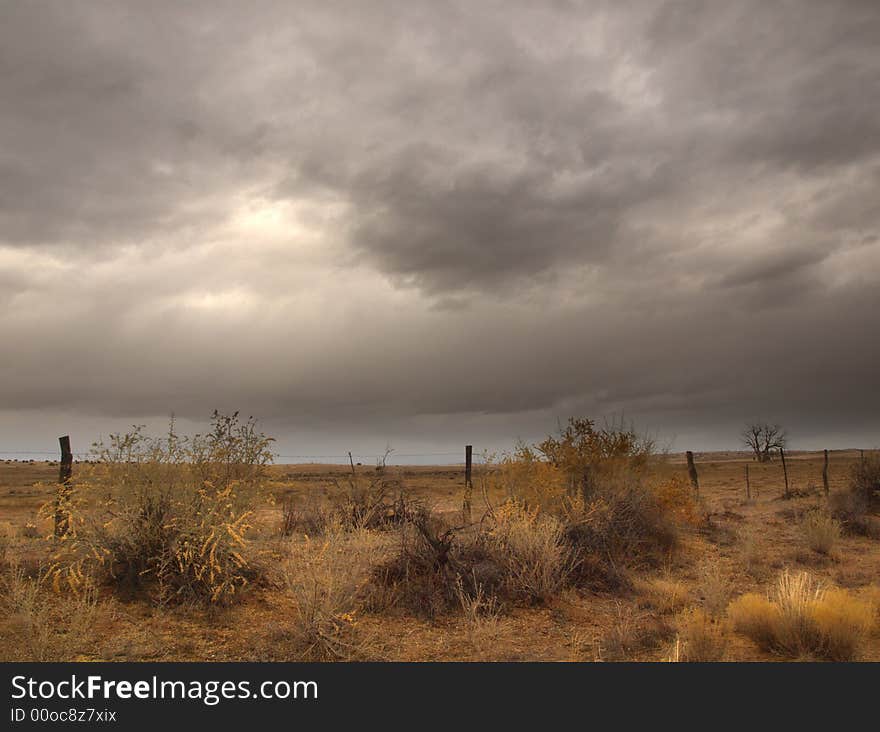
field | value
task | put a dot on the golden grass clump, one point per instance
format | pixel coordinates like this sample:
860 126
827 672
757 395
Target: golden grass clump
800 618
843 623
756 617
820 531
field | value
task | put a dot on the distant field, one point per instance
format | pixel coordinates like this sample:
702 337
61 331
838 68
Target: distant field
740 547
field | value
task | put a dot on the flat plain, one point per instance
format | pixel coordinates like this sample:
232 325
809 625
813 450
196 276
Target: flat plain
740 545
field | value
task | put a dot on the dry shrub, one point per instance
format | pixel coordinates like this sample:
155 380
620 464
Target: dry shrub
586 453
632 634
664 595
518 554
865 480
434 562
169 516
481 613
676 497
305 517
46 625
854 506
621 520
377 502
801 618
328 580
701 638
820 531
525 477
592 481
531 550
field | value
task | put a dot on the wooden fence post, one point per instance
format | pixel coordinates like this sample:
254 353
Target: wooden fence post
784 472
825 473
62 494
692 471
748 485
468 485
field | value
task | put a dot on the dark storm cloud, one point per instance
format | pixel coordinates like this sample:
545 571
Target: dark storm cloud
373 217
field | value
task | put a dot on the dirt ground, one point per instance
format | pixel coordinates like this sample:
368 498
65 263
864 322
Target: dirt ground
741 548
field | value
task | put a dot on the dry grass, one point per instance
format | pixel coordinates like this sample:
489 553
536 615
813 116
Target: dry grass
664 595
843 624
714 588
633 635
752 552
820 531
801 619
532 552
328 580
481 613
48 626
432 589
701 638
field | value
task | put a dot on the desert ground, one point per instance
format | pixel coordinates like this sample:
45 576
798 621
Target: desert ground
739 545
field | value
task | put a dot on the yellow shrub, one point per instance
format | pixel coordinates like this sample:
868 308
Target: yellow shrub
843 622
676 496
756 617
535 483
169 516
801 618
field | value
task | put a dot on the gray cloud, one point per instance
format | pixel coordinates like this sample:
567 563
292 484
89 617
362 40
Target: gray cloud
395 219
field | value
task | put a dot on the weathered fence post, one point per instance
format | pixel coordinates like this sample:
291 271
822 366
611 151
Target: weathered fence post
468 485
748 485
784 472
62 494
692 471
825 473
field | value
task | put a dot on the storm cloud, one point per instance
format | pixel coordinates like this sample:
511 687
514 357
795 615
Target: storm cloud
434 223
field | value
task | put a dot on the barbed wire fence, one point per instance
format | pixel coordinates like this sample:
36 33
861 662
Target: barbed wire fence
445 458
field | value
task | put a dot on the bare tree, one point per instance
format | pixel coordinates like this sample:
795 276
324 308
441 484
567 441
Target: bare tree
763 438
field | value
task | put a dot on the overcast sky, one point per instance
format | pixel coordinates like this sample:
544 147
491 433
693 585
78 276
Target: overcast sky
432 223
